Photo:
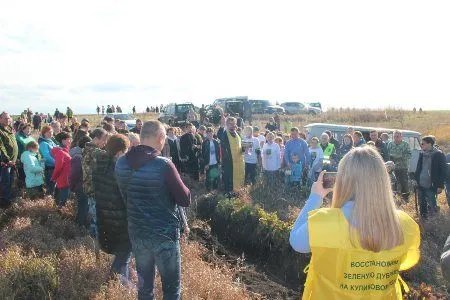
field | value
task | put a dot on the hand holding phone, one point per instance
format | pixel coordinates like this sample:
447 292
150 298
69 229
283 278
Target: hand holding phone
318 186
329 179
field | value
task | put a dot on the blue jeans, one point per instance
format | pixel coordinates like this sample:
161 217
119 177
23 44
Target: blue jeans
49 184
427 199
63 195
7 179
83 208
120 264
164 254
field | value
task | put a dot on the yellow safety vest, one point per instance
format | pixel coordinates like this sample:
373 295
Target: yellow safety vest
339 270
328 151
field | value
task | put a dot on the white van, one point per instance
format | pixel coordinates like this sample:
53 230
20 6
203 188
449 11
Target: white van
411 137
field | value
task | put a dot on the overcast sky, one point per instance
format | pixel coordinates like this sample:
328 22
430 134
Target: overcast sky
341 53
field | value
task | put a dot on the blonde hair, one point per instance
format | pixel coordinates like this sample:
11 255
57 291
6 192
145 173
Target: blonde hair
362 177
248 130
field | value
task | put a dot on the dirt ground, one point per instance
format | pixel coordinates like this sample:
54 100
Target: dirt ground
248 272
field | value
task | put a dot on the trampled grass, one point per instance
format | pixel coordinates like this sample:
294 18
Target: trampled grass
44 255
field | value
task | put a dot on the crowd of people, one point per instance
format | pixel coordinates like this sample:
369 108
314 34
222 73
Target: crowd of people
130 195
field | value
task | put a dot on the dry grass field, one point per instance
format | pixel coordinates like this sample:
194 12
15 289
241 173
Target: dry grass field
44 255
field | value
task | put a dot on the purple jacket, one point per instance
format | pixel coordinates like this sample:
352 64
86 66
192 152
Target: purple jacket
76 171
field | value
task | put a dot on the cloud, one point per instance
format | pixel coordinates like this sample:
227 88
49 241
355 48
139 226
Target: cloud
109 87
346 53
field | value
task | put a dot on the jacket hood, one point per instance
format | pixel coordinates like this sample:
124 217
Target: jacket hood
140 155
43 139
59 152
76 151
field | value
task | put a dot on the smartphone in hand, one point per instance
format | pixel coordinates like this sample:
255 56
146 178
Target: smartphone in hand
329 179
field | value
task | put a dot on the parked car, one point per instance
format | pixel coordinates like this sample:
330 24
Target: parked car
234 105
316 105
411 137
272 109
221 102
294 108
128 119
259 106
175 114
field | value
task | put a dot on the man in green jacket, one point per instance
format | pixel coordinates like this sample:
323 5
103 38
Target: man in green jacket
8 157
400 154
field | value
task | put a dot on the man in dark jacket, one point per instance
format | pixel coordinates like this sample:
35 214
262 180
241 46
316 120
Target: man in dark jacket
37 120
99 137
137 128
211 159
8 157
152 188
111 209
381 146
76 179
430 175
188 152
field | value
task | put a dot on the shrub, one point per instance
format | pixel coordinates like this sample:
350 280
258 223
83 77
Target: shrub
255 231
26 277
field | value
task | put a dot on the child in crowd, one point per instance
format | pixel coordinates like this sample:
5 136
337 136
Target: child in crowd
252 151
333 165
34 171
293 177
62 167
279 141
316 160
271 159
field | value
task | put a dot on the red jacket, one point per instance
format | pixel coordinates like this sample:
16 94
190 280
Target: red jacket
62 167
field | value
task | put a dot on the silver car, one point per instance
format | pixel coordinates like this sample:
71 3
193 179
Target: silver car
128 119
295 108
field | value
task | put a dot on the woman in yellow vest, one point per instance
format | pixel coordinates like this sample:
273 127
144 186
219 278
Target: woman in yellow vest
362 242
